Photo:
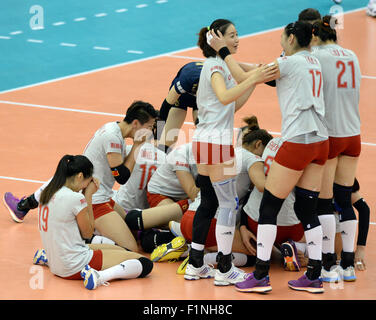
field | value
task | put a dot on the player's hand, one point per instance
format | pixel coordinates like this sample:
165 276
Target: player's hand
92 187
142 135
359 261
265 73
217 41
249 240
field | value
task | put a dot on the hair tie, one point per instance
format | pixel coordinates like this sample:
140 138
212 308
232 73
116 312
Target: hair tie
208 28
326 24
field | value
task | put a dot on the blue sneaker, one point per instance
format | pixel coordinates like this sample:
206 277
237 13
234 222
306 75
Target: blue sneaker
92 278
11 202
40 258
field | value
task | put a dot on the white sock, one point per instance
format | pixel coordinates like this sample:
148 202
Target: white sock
348 231
101 239
128 269
197 246
301 246
314 242
328 225
239 259
225 237
266 234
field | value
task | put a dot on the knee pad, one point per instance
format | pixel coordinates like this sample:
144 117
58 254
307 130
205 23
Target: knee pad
134 219
305 207
269 208
152 238
147 266
342 197
325 206
209 200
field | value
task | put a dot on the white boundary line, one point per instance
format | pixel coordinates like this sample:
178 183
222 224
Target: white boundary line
143 59
104 113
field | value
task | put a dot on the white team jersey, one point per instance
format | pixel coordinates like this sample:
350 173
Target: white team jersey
244 161
164 181
107 139
301 96
216 120
286 216
66 251
341 86
132 194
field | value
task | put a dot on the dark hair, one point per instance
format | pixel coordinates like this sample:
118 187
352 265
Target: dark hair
254 132
68 167
302 32
141 111
309 15
217 25
325 29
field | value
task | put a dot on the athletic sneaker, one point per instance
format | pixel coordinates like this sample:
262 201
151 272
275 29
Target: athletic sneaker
334 275
371 9
290 256
304 284
40 258
233 276
169 251
349 274
204 272
337 1
175 228
183 266
251 284
92 279
11 202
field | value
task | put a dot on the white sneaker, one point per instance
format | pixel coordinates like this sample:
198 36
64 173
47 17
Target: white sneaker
204 272
371 9
349 274
234 275
334 275
175 228
92 278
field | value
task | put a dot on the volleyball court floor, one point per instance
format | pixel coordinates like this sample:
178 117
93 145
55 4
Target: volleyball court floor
41 123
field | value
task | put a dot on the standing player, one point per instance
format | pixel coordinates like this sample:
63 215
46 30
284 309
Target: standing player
218 97
66 219
341 87
181 96
299 88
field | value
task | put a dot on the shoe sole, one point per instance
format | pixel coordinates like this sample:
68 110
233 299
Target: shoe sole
310 290
12 214
37 257
169 249
290 260
182 267
255 289
335 280
189 277
173 232
349 279
89 281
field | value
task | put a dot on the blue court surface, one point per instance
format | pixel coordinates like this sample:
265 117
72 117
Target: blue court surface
48 39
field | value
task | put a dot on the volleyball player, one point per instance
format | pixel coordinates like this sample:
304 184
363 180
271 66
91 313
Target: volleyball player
299 88
341 86
66 218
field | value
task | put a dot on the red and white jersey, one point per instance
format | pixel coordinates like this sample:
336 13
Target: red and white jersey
106 140
286 216
132 195
164 181
341 86
216 120
66 251
300 95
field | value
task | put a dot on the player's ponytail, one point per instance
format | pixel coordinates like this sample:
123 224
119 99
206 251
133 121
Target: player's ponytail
68 166
217 25
256 134
325 28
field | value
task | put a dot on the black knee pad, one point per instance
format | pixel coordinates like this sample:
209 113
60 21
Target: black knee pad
152 238
342 196
209 199
134 219
269 208
305 207
325 206
356 185
147 266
